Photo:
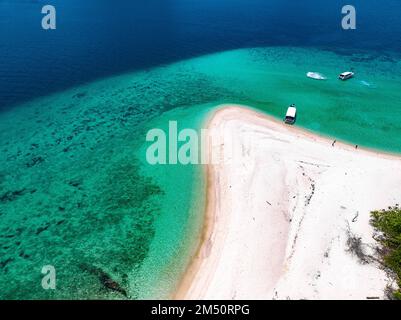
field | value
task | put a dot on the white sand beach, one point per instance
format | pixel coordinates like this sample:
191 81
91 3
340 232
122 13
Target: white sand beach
280 216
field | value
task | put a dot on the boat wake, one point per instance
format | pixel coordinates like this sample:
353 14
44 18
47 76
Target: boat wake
316 76
367 84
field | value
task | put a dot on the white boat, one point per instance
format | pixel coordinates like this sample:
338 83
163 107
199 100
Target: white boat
346 75
291 115
316 76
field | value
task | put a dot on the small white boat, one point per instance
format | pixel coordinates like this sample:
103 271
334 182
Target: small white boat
291 115
346 75
316 76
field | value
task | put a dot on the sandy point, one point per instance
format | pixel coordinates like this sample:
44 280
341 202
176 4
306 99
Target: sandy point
284 213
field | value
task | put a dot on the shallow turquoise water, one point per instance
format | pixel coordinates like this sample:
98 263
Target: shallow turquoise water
76 192
363 110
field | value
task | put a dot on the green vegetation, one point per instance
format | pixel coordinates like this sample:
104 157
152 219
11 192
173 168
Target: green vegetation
389 223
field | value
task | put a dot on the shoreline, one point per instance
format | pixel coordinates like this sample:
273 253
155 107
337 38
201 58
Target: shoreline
314 134
194 265
186 286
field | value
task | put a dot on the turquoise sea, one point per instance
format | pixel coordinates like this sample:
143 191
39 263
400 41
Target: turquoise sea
76 191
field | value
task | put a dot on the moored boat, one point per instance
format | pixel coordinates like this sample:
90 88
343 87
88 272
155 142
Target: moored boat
291 114
346 75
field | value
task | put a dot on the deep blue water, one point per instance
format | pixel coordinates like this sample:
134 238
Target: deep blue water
98 38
